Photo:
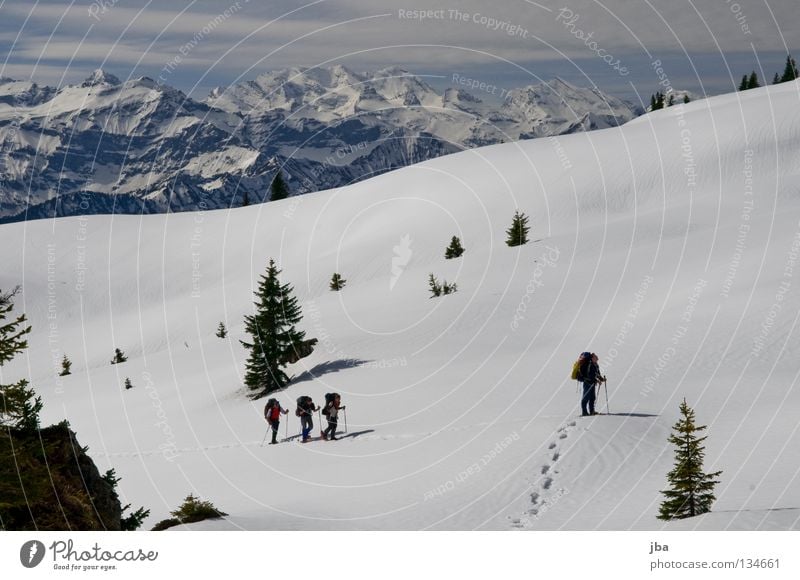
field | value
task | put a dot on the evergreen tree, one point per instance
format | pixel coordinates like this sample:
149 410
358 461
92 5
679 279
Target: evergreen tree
652 102
434 286
273 334
130 522
128 383
454 250
776 79
448 288
752 82
686 99
660 100
19 405
743 86
279 189
66 366
222 332
790 72
518 232
119 357
245 199
691 491
337 282
671 100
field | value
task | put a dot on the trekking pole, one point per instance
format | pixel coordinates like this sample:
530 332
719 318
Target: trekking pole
605 382
265 437
286 433
345 419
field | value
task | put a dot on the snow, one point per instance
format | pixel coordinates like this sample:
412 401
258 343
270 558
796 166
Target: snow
645 248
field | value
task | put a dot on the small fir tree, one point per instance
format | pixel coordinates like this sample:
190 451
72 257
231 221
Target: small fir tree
222 332
337 282
776 79
66 366
273 334
448 288
691 490
434 286
790 72
518 232
19 404
686 99
119 357
128 383
278 189
245 199
743 86
454 250
752 82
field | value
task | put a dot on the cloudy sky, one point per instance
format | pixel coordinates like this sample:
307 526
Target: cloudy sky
703 45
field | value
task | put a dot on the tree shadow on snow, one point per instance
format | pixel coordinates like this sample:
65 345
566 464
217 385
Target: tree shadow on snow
632 415
328 367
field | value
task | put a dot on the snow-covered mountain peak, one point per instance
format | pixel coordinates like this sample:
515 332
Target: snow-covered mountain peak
100 77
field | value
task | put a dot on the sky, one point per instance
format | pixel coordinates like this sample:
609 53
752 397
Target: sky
628 48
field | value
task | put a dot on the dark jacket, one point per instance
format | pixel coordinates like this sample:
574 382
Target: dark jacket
589 372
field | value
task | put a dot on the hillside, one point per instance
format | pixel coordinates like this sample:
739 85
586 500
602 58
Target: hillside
668 246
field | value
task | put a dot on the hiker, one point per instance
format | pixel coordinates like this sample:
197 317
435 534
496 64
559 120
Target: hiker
589 375
333 403
305 410
272 413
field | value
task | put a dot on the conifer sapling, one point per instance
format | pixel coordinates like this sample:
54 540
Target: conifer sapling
691 491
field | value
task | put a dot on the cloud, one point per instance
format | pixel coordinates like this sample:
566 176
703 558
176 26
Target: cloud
242 38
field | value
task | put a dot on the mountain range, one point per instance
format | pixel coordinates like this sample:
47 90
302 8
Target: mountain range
140 146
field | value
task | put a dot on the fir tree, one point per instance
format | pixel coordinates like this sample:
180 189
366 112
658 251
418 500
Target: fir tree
671 100
245 199
66 367
222 332
448 288
659 100
776 79
119 357
686 99
743 86
691 491
752 82
652 102
454 250
130 522
434 286
128 383
273 334
279 189
518 232
19 405
790 72
337 282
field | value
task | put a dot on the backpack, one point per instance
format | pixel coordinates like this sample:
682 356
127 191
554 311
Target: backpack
302 405
576 368
271 404
329 399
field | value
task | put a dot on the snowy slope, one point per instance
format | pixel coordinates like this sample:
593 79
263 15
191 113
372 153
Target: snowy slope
668 246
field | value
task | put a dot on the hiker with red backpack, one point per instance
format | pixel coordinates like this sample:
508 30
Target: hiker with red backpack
272 413
588 373
331 411
305 410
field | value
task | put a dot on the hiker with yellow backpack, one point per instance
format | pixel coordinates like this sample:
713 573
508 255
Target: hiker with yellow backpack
587 371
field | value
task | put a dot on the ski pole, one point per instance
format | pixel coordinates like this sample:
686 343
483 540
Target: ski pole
605 381
286 433
345 419
265 436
